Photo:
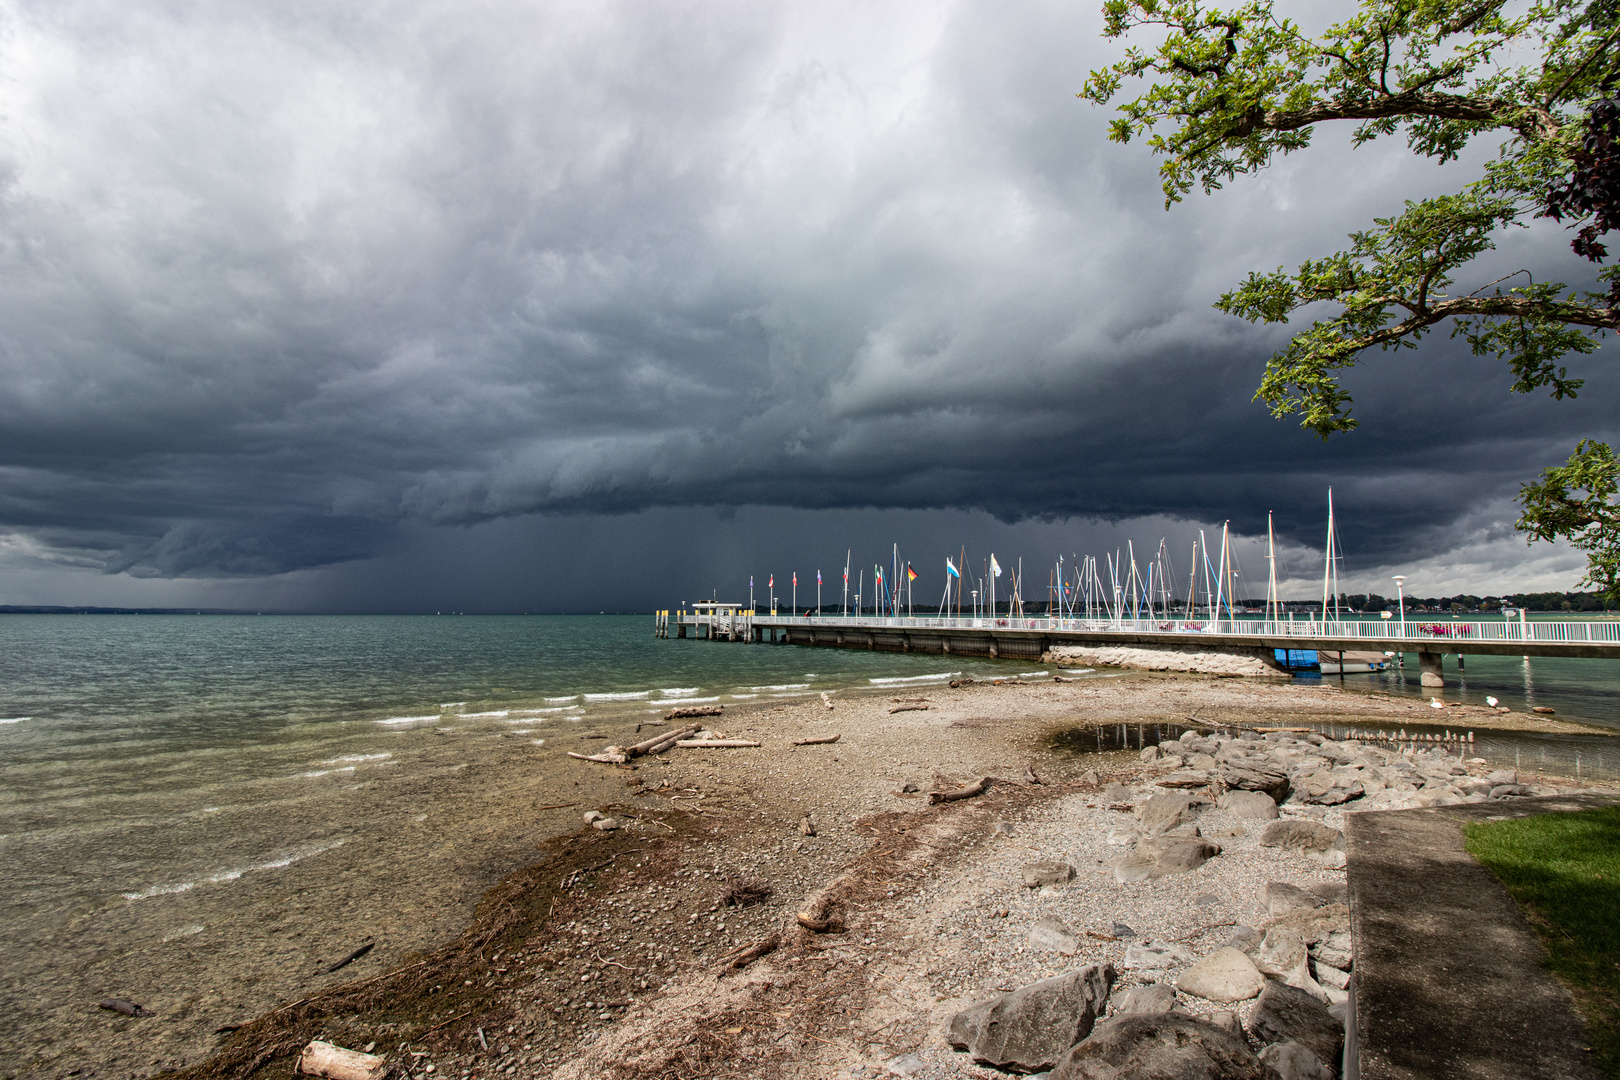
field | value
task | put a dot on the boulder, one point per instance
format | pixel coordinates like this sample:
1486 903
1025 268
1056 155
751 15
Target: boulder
1028 1029
1294 835
1286 1014
1291 1061
1245 939
1119 795
1334 950
1281 953
1502 776
1153 999
1167 1047
1285 899
1331 892
1165 855
1165 810
1050 934
1225 975
1252 775
1147 956
1330 977
1055 872
1149 753
1227 1021
1248 804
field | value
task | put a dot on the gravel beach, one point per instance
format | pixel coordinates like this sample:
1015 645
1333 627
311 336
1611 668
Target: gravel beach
676 944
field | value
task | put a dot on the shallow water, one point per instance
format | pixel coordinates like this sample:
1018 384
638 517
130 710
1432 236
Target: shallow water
202 813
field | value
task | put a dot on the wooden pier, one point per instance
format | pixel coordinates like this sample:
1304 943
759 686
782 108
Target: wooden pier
1030 638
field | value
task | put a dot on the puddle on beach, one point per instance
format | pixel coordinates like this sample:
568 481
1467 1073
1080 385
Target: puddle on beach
1110 738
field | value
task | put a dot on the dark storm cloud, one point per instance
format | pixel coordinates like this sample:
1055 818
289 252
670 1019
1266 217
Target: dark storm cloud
284 287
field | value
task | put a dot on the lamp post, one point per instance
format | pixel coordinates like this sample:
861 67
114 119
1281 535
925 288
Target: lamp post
1400 597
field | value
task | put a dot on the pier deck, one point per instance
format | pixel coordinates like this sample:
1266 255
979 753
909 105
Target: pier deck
1031 637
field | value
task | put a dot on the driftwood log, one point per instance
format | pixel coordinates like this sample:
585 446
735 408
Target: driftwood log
604 759
908 708
710 744
659 742
826 699
978 787
336 1063
127 1008
816 740
686 711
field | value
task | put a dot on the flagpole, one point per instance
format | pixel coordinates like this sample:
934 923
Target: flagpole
818 594
795 594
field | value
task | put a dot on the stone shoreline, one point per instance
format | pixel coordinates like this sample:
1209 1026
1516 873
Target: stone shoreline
924 909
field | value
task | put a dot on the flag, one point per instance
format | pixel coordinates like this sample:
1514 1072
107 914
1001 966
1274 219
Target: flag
911 575
818 577
995 567
878 570
950 568
750 581
771 584
846 575
795 579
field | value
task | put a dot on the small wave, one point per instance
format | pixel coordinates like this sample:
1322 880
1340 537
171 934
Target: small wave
357 757
680 691
160 890
523 731
792 693
538 742
895 681
452 704
628 695
273 864
14 719
744 697
570 697
783 686
1032 674
408 719
473 715
1078 670
326 772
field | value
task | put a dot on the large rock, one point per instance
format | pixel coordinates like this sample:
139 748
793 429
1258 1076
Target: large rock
1154 999
1248 804
1165 855
1048 873
1335 950
1285 899
1225 975
1291 1061
1119 795
1028 1029
1286 1014
1167 1047
1281 953
1164 811
1308 836
1252 775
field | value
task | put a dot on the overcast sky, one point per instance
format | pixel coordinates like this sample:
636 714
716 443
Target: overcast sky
568 306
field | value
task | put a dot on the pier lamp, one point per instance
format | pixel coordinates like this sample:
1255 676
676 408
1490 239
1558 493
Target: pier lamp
1400 596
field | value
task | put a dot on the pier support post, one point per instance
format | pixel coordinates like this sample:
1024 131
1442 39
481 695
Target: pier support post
1433 670
994 651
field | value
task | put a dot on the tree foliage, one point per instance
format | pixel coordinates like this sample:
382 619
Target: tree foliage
1230 90
1577 501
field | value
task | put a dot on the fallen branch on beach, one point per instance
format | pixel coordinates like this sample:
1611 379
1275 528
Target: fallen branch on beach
816 740
978 787
908 708
694 710
758 949
831 924
659 742
711 744
604 759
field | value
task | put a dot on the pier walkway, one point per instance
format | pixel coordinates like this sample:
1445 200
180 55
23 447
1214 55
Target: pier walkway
1031 637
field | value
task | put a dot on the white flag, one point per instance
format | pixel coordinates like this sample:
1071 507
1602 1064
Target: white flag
995 567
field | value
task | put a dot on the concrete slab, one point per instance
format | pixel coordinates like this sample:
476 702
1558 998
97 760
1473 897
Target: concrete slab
1449 978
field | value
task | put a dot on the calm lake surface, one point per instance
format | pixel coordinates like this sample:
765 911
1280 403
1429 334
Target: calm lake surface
201 813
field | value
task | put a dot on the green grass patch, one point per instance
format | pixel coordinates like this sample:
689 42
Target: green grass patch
1564 872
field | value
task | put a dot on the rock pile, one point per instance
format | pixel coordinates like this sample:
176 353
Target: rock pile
1293 974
